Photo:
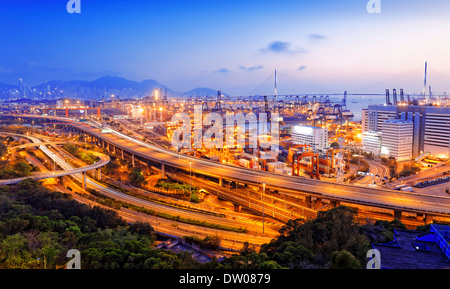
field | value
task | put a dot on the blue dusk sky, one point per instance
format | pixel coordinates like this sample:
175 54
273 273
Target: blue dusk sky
316 46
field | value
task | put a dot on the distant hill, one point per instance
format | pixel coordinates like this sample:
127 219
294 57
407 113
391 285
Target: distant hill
119 83
115 83
202 92
6 86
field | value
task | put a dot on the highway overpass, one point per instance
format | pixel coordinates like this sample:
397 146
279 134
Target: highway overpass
103 160
398 201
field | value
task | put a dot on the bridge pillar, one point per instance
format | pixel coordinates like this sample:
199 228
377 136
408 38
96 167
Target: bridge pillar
308 201
122 155
84 181
99 174
114 149
132 159
220 182
397 215
428 219
334 203
237 208
163 170
61 180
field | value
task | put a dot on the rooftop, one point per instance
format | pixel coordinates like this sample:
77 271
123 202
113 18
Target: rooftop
397 121
412 250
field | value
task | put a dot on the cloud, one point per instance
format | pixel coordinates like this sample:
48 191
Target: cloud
316 36
257 67
282 47
301 67
5 71
221 70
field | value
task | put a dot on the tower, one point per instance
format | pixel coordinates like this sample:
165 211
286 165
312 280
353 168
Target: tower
425 82
275 85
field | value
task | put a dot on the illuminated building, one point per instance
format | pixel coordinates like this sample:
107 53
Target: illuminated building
371 142
316 137
397 139
431 125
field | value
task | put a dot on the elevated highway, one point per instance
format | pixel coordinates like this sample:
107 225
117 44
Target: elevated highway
103 160
398 201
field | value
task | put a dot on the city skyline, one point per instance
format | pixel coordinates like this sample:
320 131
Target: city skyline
326 46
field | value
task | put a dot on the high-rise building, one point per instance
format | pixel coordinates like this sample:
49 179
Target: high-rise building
21 88
316 137
431 125
397 139
372 142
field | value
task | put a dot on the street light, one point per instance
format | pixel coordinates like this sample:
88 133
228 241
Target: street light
264 190
190 178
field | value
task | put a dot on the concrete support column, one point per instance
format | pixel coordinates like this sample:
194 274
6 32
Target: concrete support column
220 182
428 219
132 159
61 180
122 155
163 170
334 203
308 201
237 208
99 174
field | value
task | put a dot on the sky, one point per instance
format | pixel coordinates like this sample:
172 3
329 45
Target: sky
324 46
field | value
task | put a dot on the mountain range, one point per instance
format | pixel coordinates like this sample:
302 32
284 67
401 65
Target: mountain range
114 83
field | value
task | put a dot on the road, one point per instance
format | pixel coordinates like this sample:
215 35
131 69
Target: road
253 226
378 197
104 160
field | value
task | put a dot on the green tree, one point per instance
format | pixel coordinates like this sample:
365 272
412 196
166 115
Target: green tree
194 198
315 240
22 168
335 145
3 149
344 260
136 178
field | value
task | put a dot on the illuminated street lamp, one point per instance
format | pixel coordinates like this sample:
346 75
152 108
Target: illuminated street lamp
190 177
264 190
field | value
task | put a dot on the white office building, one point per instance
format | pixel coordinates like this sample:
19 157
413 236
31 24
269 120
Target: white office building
431 125
316 137
397 139
136 111
371 141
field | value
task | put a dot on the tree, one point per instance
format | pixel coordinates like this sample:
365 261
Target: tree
136 178
335 145
344 260
3 149
22 168
194 198
316 240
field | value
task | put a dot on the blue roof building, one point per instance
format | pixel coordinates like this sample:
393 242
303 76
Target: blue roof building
417 250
